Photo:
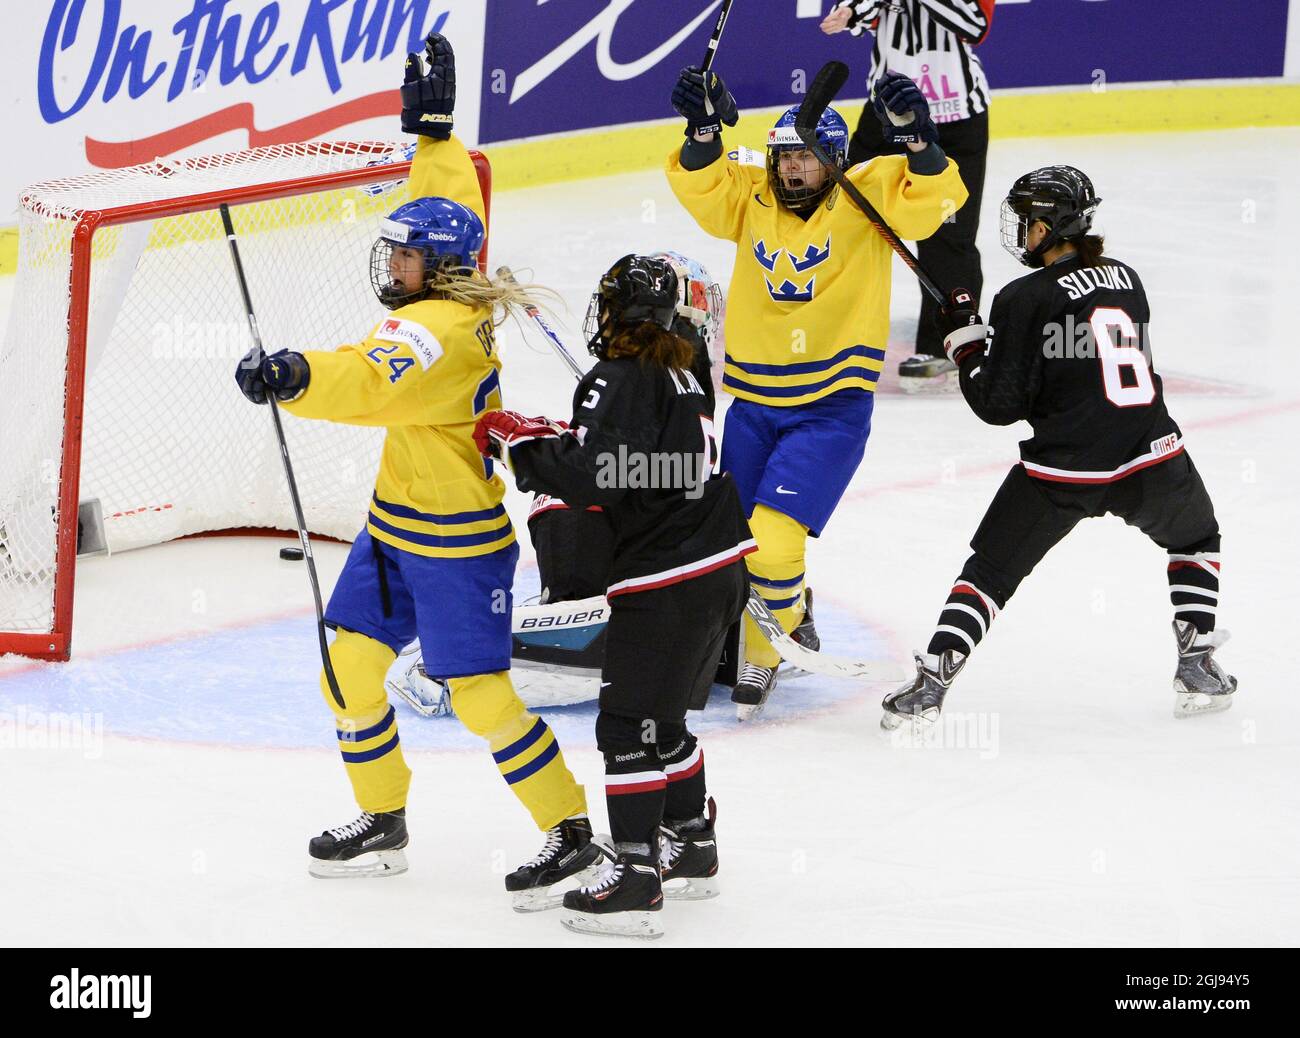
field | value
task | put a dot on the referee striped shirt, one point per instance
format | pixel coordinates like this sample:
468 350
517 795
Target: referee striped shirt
931 41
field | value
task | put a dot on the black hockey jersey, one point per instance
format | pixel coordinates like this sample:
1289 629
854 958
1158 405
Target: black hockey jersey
1067 349
641 445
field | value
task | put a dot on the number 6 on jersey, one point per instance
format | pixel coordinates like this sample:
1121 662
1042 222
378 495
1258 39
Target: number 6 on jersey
1115 358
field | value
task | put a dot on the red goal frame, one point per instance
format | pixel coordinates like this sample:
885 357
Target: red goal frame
57 644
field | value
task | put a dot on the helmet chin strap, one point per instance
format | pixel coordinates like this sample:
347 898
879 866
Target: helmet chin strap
596 344
1034 257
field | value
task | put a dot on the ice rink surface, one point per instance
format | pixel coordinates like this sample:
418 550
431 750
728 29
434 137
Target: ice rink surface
1062 805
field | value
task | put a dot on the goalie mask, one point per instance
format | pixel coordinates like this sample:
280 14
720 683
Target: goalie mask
1061 196
699 299
801 169
448 235
634 289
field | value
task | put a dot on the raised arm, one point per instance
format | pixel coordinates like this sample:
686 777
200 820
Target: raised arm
442 166
713 188
917 193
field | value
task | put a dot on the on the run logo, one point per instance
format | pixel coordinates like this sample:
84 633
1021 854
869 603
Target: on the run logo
1203 1005
73 991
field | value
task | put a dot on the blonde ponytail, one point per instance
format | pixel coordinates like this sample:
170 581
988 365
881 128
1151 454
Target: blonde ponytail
503 296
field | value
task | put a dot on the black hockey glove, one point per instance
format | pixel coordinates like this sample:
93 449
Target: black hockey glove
284 373
248 376
903 111
961 326
702 99
428 98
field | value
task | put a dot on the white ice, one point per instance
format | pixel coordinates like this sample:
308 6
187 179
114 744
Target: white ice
1068 808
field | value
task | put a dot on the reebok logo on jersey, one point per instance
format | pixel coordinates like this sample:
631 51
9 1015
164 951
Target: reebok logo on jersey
782 490
424 344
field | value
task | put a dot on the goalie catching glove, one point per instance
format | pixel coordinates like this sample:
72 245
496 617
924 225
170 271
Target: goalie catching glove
285 373
960 322
428 98
498 431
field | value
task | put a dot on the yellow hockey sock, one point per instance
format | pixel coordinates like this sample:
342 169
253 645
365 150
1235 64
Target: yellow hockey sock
776 572
367 726
524 747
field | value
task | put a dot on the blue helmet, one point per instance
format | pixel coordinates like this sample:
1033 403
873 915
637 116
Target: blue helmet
832 134
449 234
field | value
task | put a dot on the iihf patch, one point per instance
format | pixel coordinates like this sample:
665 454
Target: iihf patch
424 344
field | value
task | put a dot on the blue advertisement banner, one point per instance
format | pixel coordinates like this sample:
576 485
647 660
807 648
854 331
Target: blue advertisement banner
552 66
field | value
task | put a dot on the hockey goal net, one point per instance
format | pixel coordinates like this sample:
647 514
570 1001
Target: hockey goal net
117 370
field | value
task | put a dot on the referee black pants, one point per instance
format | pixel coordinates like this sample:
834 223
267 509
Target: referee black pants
950 255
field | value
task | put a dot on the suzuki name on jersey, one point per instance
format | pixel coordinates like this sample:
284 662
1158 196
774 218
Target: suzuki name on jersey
1078 283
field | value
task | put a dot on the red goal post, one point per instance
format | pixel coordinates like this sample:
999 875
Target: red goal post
124 278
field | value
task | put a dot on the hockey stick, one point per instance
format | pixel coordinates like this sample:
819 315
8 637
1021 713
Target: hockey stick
506 274
815 662
819 96
712 49
288 465
711 52
788 649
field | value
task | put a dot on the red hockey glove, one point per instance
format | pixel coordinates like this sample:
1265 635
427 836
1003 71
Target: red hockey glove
497 431
961 325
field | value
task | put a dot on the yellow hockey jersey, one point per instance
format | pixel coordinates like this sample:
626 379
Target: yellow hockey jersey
426 372
808 306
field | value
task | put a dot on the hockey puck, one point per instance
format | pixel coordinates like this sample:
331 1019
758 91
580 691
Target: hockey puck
291 554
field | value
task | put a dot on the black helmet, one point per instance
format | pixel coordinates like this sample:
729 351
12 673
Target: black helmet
1061 196
633 290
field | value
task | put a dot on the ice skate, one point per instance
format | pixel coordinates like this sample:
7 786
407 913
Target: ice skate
751 691
569 856
688 857
624 902
370 847
1201 686
920 700
924 373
